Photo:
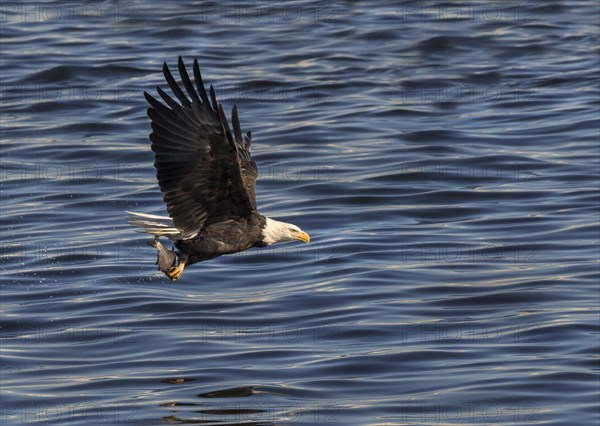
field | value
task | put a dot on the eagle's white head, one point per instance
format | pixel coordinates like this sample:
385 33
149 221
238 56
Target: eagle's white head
277 232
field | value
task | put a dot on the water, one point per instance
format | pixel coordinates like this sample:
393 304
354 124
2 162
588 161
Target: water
443 157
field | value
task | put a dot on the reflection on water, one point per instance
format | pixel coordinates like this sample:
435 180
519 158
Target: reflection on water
442 156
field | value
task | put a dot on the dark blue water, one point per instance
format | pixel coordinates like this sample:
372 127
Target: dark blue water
442 155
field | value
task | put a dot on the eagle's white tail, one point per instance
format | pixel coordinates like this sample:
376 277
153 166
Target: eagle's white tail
152 224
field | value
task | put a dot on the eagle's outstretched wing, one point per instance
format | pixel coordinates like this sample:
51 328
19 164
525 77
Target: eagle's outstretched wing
204 170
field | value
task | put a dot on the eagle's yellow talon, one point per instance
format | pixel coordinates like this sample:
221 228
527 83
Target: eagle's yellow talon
175 272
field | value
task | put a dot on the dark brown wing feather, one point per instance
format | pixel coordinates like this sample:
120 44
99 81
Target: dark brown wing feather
204 171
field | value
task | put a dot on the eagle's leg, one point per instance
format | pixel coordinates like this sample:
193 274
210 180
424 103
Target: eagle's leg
175 272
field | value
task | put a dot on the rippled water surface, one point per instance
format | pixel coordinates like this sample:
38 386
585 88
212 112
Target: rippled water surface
442 155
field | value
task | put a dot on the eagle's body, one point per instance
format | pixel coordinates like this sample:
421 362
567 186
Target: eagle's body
207 178
224 237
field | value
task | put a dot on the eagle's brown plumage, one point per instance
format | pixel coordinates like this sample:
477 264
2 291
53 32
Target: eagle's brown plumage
204 170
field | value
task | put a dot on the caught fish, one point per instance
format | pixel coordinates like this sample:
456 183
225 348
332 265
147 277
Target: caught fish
165 258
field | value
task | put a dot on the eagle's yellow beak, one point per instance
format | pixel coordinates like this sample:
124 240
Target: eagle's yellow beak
303 236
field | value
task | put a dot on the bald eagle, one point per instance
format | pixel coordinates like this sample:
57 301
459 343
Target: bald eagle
207 178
